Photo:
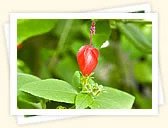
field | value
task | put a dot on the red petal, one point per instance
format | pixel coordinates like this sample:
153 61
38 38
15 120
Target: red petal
80 57
91 62
87 58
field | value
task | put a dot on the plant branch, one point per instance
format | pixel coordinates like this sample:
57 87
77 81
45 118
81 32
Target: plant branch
61 41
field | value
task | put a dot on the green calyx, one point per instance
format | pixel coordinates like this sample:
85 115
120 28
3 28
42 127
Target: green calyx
89 86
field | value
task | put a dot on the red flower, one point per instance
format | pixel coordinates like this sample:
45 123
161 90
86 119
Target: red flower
87 58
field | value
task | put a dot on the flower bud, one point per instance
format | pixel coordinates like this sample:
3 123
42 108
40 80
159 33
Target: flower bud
87 58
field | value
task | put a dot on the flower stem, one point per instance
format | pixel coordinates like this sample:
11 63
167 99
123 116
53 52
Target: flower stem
92 31
90 39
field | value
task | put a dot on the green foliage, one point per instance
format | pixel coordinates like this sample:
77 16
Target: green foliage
25 78
24 99
76 81
35 93
47 65
24 104
114 99
52 89
28 28
136 36
83 100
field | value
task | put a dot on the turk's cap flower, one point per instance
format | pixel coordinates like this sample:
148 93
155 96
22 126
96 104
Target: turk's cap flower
87 58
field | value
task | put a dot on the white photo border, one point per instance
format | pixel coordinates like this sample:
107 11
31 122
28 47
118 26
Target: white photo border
131 8
13 63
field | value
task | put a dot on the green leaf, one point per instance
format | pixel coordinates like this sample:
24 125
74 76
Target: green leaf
24 104
51 89
25 100
31 27
83 100
113 99
23 78
76 81
136 36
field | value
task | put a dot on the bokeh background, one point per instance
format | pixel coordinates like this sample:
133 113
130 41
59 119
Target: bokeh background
48 48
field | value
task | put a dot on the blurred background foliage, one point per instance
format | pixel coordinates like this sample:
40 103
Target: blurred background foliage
47 48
